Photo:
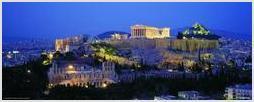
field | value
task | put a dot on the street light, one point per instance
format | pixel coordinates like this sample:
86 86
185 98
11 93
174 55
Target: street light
28 71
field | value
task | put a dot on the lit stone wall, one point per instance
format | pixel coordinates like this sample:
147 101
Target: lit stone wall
183 45
141 43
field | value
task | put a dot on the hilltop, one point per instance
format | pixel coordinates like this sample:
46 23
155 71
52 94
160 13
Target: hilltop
197 31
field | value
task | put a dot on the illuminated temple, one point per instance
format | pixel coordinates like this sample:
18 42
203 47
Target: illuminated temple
77 73
142 31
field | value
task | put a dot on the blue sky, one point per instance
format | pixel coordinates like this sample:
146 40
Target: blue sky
57 20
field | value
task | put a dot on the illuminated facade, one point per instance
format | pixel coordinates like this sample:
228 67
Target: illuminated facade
65 45
142 31
60 45
77 73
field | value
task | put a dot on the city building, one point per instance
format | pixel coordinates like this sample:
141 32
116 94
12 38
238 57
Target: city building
238 92
119 36
60 45
142 31
77 73
73 47
65 45
190 95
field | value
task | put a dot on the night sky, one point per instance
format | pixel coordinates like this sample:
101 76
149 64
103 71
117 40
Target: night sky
57 20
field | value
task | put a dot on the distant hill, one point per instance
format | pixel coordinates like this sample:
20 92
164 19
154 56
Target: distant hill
222 33
109 33
197 31
14 39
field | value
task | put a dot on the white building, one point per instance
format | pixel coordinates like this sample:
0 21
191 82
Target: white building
119 36
189 95
67 44
77 73
238 92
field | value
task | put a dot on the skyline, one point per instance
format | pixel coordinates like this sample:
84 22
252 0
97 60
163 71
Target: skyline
58 20
140 51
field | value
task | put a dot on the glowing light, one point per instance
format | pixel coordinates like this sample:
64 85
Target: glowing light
28 71
85 55
45 62
86 86
15 51
50 85
9 56
50 56
70 69
104 85
70 66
